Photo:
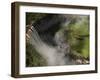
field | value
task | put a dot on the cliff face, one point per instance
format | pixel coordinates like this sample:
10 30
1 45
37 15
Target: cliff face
49 23
47 27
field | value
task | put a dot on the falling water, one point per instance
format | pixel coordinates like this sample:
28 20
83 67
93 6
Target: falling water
54 55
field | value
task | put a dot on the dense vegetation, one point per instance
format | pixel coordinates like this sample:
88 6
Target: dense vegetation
33 58
78 37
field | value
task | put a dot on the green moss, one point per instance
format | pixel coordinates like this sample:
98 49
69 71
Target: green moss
33 17
33 58
77 36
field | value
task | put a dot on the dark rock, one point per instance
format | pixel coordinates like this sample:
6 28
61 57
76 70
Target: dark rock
48 26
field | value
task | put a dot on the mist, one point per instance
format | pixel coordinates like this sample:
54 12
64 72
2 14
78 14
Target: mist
54 55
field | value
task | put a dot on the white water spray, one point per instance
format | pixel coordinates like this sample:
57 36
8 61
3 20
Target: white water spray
53 55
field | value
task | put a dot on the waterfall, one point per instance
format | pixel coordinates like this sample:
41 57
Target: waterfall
54 55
